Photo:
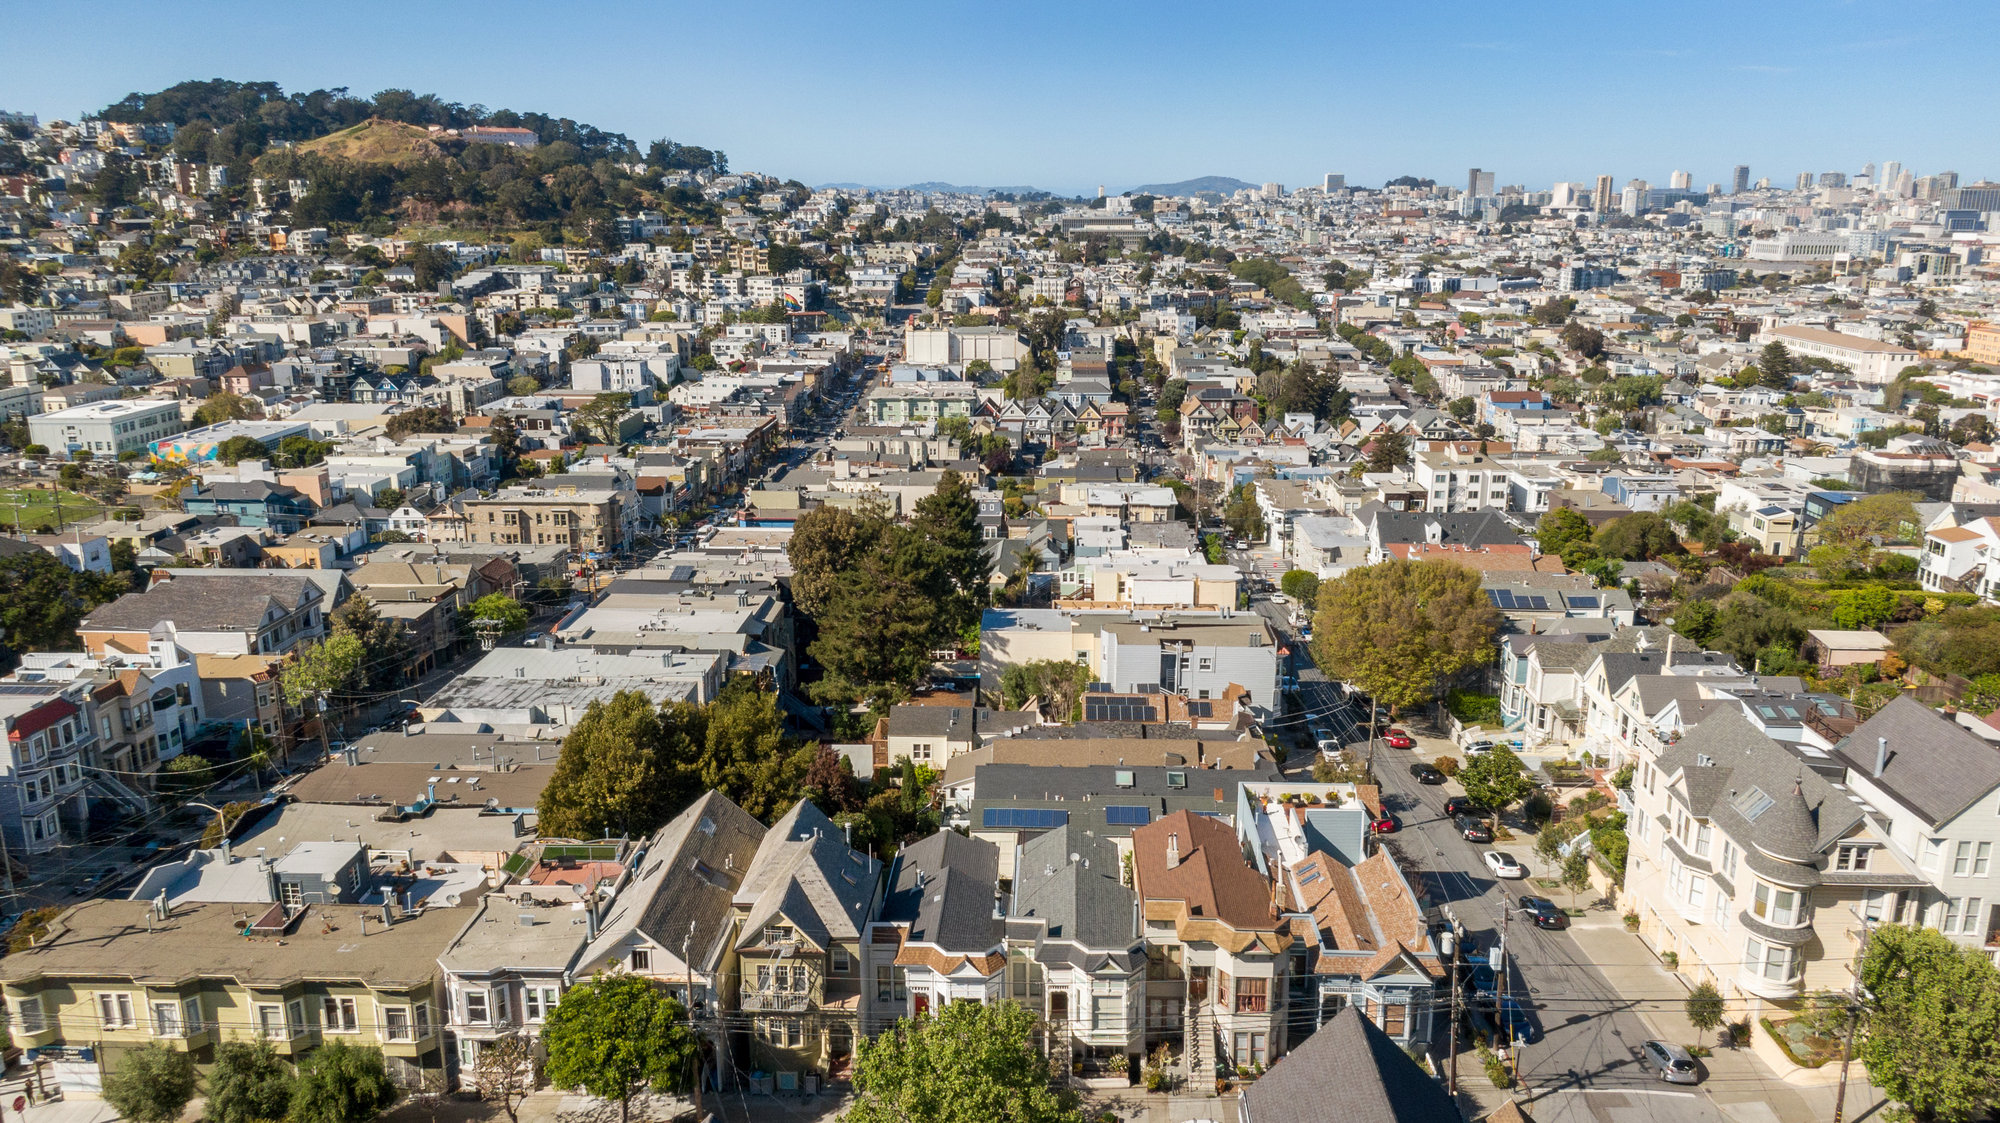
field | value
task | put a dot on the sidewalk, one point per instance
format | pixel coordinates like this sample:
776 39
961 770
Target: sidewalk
1740 1084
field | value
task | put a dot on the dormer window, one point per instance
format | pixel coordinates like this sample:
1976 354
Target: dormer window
1851 858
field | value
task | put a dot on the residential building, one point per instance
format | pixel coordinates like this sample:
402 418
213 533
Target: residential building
1350 1072
1075 953
232 613
798 916
1213 941
582 512
1871 360
1934 789
107 429
49 728
1758 873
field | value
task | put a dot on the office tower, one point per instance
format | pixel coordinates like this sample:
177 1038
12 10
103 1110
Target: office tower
1764 183
1566 195
1633 197
1905 185
1833 179
1478 184
1100 191
1868 169
1681 181
1946 180
1887 180
1274 190
1805 181
1714 189
1739 180
1600 199
1335 181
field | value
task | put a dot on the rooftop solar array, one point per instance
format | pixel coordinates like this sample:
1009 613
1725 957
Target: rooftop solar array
1024 818
1121 816
1506 601
1118 708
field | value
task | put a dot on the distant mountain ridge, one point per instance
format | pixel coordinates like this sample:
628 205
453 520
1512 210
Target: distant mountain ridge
1220 184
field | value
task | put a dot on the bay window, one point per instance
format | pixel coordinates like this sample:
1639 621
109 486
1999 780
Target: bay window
1775 906
1767 961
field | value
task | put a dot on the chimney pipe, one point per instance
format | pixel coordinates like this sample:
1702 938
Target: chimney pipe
590 918
226 859
1173 851
1881 755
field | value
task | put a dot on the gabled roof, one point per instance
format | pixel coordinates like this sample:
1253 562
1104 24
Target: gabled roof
1935 767
691 869
1196 862
946 890
805 872
1347 1072
1072 883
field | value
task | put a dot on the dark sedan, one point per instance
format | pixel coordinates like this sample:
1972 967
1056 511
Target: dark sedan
1543 912
1426 774
1463 805
1473 830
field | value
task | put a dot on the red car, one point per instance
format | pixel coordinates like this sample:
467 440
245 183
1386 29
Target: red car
1397 739
1385 825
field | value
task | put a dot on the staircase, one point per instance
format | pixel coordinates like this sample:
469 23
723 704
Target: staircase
1198 1050
108 787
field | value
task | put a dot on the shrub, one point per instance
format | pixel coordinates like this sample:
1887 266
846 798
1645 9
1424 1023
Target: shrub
1447 765
1473 708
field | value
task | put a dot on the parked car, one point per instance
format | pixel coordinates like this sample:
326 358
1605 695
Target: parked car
1427 774
1397 739
1387 824
1477 748
1280 598
1464 805
1543 912
1670 1062
1513 1017
1503 865
1469 828
1329 749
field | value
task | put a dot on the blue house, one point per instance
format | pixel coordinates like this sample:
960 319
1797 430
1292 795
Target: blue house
256 503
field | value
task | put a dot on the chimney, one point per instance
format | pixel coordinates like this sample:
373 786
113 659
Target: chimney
1670 654
385 914
1881 755
590 918
226 859
1173 851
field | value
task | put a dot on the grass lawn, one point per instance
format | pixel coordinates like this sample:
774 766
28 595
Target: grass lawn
36 506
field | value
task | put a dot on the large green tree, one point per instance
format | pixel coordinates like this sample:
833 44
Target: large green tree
1564 531
619 770
1640 536
152 1084
616 1035
385 651
1496 779
826 542
948 521
1933 1040
41 601
967 1061
1401 629
744 753
320 673
341 1083
250 1083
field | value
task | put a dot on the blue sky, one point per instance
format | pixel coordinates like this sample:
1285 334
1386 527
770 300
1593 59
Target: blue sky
1073 94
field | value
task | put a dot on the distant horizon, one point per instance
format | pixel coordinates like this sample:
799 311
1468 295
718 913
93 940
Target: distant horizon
1537 94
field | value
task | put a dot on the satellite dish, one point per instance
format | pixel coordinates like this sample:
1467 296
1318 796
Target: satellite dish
492 802
333 892
580 889
1074 857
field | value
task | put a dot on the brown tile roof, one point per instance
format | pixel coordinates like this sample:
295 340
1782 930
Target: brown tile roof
1367 907
1210 883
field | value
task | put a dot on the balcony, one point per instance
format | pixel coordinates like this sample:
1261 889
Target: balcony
778 1001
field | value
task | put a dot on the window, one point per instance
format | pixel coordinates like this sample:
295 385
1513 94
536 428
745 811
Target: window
114 1011
1697 889
271 1023
1982 859
1252 996
28 1013
1931 855
777 933
295 1016
1778 906
801 980
795 1033
1249 1049
396 1024
476 1011
1961 859
763 977
423 1019
1704 834
338 1015
1767 961
167 1019
1393 1017
191 1010
540 1000
891 984
1721 914
842 962
642 959
1851 858
1728 858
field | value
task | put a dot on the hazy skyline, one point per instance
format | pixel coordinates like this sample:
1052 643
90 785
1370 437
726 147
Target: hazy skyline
1066 97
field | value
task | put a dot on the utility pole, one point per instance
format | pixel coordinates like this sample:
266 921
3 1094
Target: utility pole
1854 1007
1500 966
687 942
1451 1054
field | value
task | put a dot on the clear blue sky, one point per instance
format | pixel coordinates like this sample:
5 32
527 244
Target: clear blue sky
1072 94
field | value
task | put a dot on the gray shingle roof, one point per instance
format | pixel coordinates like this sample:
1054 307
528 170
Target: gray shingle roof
805 871
1737 777
235 601
944 888
1347 1072
1084 904
1935 767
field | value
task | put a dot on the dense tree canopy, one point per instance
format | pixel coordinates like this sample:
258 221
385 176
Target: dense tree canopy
1400 630
1933 1029
966 1061
616 1035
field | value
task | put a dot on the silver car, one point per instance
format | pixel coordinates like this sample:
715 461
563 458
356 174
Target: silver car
1670 1062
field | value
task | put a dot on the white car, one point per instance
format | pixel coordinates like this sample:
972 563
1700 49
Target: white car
1477 748
1329 748
1503 865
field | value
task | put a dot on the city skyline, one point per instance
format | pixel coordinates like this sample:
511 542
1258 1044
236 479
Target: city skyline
1347 88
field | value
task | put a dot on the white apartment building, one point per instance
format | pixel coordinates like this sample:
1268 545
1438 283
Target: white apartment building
107 428
1935 786
1458 477
1871 360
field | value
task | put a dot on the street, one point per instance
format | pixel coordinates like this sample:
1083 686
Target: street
1584 1063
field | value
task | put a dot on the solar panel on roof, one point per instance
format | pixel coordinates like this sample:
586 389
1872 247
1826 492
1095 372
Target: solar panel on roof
1583 602
1023 818
681 573
1127 816
1539 603
1502 599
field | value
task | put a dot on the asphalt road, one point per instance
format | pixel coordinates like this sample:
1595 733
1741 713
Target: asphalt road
1585 1058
